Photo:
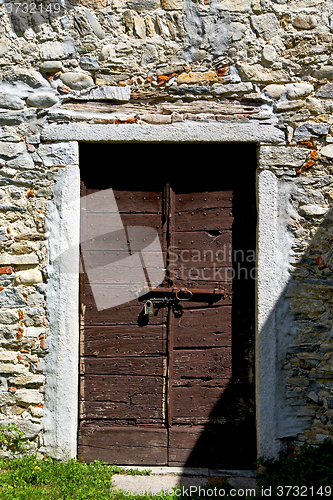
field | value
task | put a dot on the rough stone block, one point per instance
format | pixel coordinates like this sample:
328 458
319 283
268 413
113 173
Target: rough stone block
28 277
31 430
139 26
42 99
89 63
265 25
305 21
109 92
235 5
30 77
28 396
77 81
196 77
257 73
156 118
232 88
11 298
308 196
172 4
11 149
23 161
325 91
50 67
8 356
270 156
8 317
28 380
324 72
58 154
34 331
274 90
284 105
95 25
297 90
11 102
143 5
308 130
24 259
4 47
58 50
327 151
312 211
12 369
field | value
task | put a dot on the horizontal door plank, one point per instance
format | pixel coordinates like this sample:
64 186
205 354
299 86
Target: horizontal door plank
120 388
213 363
204 200
114 411
123 445
198 220
138 201
123 341
202 246
204 327
124 314
197 401
129 365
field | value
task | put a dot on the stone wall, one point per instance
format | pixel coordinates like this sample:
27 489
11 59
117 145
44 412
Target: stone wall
173 70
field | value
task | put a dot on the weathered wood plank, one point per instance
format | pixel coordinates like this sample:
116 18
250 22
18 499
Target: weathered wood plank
122 397
204 327
97 221
197 220
123 445
109 410
203 200
138 201
198 401
125 314
121 388
213 363
202 248
131 365
123 340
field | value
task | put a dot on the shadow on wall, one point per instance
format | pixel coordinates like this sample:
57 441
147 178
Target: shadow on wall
300 328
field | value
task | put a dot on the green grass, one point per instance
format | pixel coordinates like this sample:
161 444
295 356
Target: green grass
33 478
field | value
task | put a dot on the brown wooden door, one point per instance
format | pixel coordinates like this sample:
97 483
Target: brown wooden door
176 387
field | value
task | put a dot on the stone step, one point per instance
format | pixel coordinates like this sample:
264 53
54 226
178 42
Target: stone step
185 481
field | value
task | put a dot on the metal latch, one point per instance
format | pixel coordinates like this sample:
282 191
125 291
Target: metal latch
172 297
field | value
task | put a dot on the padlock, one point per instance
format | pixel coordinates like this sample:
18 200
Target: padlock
148 308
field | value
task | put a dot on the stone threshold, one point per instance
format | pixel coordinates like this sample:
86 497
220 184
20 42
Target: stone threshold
192 471
164 479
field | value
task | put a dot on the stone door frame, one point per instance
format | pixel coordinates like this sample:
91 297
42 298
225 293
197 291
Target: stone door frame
62 363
